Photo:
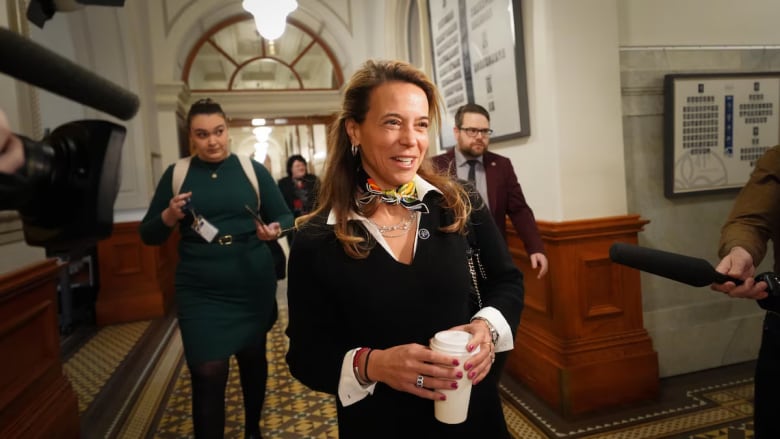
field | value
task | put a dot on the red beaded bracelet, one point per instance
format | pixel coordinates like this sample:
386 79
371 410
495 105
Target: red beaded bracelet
355 359
365 365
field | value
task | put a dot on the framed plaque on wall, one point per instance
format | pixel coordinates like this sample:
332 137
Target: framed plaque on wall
715 128
478 57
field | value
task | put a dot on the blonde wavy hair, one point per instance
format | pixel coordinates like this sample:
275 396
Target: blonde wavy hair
338 188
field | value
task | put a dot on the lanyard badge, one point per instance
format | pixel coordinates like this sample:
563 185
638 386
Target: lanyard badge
200 225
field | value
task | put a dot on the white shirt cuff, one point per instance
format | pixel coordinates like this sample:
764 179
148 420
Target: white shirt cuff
350 389
506 339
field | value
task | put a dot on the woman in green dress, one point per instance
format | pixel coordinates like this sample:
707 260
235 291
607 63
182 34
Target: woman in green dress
225 281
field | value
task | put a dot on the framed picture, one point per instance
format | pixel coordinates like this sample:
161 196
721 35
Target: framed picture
715 128
478 57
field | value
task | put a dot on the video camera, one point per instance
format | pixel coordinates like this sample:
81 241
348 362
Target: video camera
66 189
772 301
40 11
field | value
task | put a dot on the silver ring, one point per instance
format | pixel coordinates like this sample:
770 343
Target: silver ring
420 381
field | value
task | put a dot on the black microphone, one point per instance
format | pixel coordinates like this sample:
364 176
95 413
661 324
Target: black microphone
689 270
27 61
686 269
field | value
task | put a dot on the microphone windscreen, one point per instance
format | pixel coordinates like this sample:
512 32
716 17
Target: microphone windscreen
27 61
686 269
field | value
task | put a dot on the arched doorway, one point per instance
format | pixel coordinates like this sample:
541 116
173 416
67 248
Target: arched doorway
232 62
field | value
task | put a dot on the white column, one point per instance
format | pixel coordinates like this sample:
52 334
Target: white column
571 167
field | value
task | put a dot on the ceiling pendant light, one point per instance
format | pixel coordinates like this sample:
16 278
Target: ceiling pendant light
270 15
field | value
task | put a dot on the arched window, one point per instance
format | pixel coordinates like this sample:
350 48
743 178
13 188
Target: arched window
232 56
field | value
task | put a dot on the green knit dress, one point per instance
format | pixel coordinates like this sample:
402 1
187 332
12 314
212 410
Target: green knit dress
225 294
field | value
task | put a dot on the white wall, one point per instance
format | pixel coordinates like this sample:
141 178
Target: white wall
571 166
698 22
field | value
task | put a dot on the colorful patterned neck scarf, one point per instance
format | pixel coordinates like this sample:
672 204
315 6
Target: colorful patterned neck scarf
405 195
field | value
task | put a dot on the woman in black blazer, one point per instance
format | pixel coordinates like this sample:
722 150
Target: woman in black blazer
380 266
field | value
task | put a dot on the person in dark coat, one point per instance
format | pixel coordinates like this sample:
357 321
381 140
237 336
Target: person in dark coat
225 283
754 221
299 189
380 266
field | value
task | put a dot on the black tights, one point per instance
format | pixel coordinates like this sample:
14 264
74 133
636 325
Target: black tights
208 392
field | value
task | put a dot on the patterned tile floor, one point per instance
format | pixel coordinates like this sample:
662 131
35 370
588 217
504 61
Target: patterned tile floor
291 410
89 369
711 404
158 406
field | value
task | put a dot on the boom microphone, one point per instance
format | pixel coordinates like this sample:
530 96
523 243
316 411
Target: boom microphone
686 269
27 61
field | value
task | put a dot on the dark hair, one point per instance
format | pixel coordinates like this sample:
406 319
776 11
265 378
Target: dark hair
291 160
204 106
470 108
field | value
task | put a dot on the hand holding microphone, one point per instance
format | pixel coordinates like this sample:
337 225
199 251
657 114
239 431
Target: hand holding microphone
739 264
734 275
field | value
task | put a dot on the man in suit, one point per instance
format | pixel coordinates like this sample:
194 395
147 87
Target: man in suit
494 178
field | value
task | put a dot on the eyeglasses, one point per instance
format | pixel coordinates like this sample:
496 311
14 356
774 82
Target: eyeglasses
472 132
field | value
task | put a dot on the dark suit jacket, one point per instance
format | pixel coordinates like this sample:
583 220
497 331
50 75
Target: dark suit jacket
505 197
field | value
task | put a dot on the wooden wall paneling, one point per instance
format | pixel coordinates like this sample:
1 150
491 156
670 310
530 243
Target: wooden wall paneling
36 399
581 345
136 280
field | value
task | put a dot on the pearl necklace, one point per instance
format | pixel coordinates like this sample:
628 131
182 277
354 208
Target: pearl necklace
402 227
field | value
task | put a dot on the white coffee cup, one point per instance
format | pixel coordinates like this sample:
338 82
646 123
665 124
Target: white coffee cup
455 408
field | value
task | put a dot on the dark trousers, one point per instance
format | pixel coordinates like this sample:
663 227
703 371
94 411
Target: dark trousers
767 381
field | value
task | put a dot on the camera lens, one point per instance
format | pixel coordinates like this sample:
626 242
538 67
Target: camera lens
67 188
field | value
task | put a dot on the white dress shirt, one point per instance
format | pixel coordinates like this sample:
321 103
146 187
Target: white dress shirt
480 180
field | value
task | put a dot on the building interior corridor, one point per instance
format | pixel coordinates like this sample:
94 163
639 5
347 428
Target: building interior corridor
91 341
